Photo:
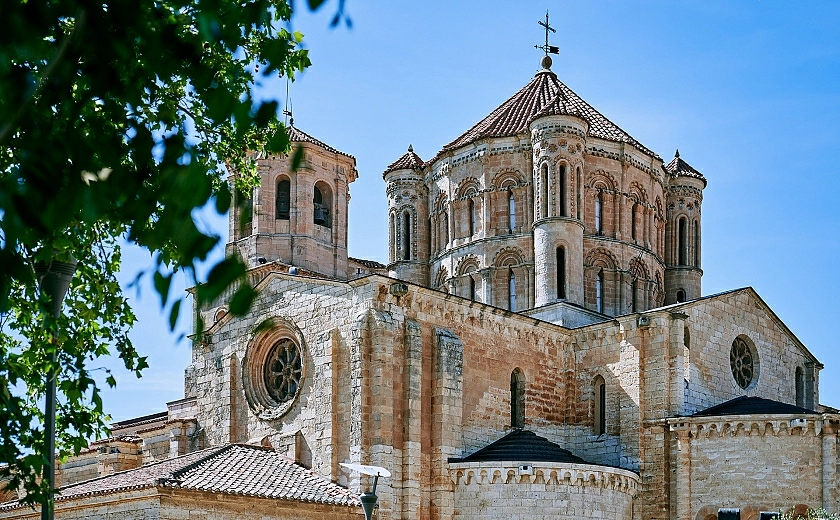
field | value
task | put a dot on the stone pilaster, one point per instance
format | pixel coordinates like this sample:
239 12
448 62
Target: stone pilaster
447 400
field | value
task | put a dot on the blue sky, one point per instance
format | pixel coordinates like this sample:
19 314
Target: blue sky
748 91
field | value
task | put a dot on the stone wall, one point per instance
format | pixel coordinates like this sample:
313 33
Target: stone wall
755 463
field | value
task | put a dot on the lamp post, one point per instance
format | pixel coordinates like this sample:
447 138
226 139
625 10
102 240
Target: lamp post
53 281
368 498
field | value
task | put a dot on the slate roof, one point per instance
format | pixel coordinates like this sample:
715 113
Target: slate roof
678 167
522 446
299 136
752 406
409 161
370 264
544 95
233 469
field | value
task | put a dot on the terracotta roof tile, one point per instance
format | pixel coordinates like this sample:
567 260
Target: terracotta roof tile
232 469
370 264
299 136
409 161
677 167
544 95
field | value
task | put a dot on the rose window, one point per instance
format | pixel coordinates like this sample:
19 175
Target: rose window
282 371
741 360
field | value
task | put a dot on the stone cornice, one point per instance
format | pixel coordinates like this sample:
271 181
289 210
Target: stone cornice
557 473
755 425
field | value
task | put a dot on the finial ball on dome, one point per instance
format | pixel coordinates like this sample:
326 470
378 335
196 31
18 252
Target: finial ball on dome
546 62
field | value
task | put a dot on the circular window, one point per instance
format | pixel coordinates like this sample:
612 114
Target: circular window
282 371
273 369
743 361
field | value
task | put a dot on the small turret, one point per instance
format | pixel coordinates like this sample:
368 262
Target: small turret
683 231
408 217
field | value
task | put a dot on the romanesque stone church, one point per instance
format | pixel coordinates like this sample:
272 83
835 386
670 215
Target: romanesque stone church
538 346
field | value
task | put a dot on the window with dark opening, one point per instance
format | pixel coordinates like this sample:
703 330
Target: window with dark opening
600 414
680 296
544 192
561 188
283 199
471 216
517 399
406 236
561 273
682 244
599 292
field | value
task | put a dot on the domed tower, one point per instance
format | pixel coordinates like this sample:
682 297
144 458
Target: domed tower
298 217
558 136
684 192
408 219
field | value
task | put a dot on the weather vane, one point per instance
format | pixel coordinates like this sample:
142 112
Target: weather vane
547 48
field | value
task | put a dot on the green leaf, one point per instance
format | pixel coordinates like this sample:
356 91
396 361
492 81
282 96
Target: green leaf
162 283
297 158
173 314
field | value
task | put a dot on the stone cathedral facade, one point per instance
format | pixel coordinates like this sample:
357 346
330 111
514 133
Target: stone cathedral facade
538 346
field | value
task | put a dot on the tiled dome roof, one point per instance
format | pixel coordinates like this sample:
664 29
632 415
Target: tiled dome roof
299 136
409 161
545 95
522 446
677 167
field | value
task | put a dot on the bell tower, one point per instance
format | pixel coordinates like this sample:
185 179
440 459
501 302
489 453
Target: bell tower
684 193
298 217
408 219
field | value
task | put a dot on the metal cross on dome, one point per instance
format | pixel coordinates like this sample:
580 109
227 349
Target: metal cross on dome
547 48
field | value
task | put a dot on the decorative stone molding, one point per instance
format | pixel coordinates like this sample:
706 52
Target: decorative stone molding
548 473
751 426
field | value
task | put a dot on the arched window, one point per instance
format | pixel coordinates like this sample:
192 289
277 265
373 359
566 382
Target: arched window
472 288
600 411
633 217
634 296
686 355
247 214
800 387
561 273
599 292
471 216
680 296
283 200
406 236
599 209
517 399
511 211
682 243
544 191
696 244
393 238
561 189
511 290
443 234
321 205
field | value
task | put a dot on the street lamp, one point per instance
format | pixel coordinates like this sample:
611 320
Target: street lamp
368 498
53 281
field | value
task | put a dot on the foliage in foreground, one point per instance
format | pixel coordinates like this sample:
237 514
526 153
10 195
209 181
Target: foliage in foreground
116 120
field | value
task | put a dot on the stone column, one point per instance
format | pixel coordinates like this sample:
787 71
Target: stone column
829 464
683 463
412 421
447 399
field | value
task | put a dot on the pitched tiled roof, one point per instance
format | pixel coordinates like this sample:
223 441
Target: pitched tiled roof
232 469
370 264
409 161
299 136
678 167
752 406
522 446
544 95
